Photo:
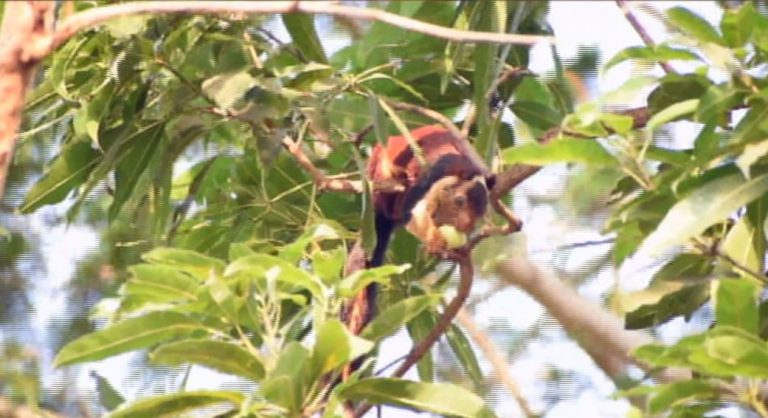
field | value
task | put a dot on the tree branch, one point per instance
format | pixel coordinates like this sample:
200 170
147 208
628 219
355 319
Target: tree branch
417 352
625 8
97 15
499 363
598 332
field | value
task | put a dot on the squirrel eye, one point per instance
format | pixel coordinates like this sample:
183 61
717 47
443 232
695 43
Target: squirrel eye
460 200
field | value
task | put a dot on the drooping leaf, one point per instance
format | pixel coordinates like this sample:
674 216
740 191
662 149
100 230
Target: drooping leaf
301 27
199 265
68 171
396 315
693 25
130 334
560 150
710 203
219 355
679 392
109 398
176 404
465 353
536 114
336 346
736 304
439 398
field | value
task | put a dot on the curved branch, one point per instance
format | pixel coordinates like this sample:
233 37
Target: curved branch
95 16
417 352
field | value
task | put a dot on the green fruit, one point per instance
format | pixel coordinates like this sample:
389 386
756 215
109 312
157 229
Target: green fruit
452 236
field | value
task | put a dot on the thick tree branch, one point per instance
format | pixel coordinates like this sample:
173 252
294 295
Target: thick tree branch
598 332
497 360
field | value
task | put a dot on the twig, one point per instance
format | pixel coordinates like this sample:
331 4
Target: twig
97 15
332 183
712 250
624 6
418 351
505 75
499 363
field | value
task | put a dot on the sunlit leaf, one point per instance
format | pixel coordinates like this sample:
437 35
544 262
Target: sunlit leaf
176 404
560 150
130 334
708 204
736 303
439 398
218 355
693 25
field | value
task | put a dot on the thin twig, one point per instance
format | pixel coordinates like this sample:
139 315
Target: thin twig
418 351
717 252
97 15
625 8
499 363
332 183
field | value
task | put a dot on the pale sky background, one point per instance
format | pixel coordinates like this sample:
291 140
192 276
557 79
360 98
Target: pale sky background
576 23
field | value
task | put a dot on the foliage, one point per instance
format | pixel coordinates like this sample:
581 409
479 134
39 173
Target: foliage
243 254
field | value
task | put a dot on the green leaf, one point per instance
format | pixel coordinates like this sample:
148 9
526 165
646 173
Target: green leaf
751 154
68 171
227 89
736 304
680 302
287 384
674 112
358 280
464 352
396 315
674 88
438 398
198 265
660 53
130 334
329 264
403 85
560 150
717 100
753 126
737 24
739 245
418 329
536 114
685 267
133 163
175 404
109 398
218 355
708 204
268 267
301 27
675 393
160 283
742 353
336 346
693 25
